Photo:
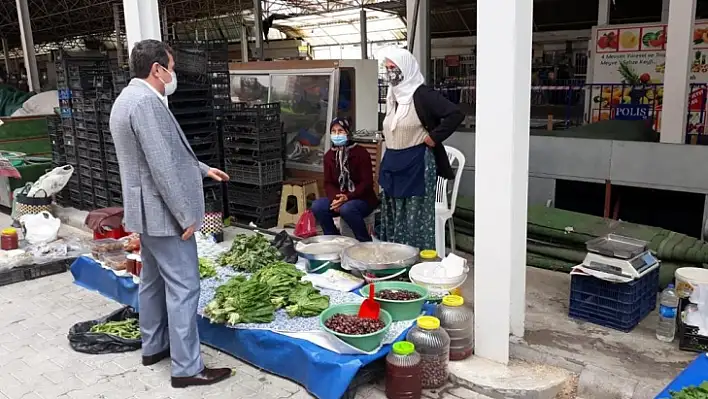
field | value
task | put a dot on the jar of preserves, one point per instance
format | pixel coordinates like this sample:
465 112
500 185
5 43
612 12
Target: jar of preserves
458 322
403 372
433 345
9 239
429 255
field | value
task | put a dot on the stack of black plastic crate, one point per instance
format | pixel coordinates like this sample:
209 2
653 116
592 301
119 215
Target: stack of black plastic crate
196 107
56 138
85 97
253 142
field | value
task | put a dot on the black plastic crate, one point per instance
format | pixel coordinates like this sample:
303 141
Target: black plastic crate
259 173
87 125
113 168
89 143
253 155
689 338
267 142
93 163
95 94
257 116
251 195
620 306
264 217
111 156
35 271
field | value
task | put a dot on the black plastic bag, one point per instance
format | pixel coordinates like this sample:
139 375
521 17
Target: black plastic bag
83 340
286 246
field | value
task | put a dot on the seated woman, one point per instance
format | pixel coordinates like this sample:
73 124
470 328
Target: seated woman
349 184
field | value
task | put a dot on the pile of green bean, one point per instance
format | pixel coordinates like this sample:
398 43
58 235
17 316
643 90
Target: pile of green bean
126 329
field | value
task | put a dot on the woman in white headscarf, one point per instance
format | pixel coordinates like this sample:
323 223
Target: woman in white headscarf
418 119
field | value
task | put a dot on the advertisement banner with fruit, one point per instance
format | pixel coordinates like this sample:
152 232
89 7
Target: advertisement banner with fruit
628 69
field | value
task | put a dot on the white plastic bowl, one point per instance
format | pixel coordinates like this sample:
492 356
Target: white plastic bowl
422 274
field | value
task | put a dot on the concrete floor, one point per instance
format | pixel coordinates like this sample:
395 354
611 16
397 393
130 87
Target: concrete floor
552 337
636 355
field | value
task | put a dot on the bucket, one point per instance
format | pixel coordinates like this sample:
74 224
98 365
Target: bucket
366 342
399 310
321 266
689 277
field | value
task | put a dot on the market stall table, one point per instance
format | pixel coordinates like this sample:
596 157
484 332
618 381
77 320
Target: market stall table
694 374
323 373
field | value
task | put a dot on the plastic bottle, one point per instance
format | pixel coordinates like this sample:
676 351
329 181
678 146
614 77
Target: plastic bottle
403 372
668 306
458 321
433 344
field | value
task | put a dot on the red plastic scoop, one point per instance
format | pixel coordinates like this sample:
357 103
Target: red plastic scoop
370 309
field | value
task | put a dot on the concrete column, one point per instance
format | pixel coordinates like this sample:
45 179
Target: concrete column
603 12
419 29
682 15
6 56
363 34
142 21
244 43
664 11
504 30
258 31
28 45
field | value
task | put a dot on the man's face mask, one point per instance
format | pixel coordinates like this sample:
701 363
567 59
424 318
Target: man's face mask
394 76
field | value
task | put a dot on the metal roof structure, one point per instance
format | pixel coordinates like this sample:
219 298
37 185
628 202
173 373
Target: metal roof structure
61 21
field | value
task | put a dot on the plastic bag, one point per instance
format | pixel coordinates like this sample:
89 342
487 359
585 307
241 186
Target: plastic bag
40 228
306 226
83 340
286 246
53 181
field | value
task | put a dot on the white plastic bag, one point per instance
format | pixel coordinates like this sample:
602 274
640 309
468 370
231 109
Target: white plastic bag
40 228
53 181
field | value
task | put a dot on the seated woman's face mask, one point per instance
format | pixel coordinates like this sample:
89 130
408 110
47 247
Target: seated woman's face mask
338 136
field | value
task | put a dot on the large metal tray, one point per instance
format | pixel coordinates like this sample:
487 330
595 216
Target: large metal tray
617 246
379 256
324 247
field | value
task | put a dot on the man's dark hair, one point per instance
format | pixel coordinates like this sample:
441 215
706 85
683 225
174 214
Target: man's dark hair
145 54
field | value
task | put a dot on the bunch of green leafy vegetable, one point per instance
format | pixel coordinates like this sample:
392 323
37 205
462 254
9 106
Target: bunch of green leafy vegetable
241 301
692 392
282 278
206 268
250 253
306 301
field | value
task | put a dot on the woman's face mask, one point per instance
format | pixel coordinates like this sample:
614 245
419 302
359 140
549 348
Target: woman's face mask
338 136
394 76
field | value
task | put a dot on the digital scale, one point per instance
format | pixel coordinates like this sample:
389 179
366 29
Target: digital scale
634 268
620 256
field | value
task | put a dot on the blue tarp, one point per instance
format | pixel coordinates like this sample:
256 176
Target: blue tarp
323 373
694 374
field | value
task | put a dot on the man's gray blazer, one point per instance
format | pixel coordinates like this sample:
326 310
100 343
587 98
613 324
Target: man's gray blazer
160 175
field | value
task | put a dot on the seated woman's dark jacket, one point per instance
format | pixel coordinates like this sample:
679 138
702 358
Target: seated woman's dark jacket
440 118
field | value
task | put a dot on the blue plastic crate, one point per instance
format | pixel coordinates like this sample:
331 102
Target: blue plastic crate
620 306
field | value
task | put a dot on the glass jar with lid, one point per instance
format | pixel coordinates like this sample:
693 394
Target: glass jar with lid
9 239
433 344
403 372
458 321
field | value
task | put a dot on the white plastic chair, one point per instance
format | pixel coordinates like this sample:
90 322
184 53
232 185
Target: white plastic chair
444 209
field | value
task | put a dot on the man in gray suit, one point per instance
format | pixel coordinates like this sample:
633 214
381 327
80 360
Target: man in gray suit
164 202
